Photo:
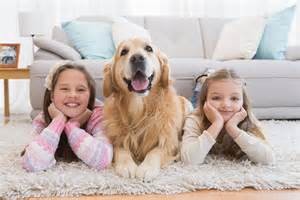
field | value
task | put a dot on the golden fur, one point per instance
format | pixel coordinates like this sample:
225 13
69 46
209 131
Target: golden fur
144 130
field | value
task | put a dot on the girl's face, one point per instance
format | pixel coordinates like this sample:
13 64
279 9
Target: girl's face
71 93
226 96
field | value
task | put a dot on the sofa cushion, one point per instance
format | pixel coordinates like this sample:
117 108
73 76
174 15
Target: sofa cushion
238 39
175 36
264 68
57 48
124 30
211 29
96 43
59 35
266 80
275 38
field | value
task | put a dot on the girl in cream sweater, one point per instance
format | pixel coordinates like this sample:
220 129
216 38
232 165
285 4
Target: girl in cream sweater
223 123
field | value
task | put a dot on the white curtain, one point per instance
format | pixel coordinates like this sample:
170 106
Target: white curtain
63 10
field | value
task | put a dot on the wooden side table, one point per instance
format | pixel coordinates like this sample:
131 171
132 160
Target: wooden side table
11 73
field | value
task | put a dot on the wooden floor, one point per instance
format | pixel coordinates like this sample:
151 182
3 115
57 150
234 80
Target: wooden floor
246 194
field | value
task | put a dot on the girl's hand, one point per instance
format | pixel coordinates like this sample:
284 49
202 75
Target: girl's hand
231 125
83 117
54 112
217 121
212 114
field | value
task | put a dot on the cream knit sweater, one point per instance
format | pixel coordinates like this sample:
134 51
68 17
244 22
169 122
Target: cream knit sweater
196 145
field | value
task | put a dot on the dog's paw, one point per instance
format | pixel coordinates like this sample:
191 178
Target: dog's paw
147 172
126 169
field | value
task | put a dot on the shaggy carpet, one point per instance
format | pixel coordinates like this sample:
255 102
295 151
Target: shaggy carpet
74 179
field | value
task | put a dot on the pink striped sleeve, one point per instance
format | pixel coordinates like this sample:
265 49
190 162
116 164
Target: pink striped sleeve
95 151
38 123
39 154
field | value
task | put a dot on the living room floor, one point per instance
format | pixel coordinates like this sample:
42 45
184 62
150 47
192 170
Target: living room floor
245 194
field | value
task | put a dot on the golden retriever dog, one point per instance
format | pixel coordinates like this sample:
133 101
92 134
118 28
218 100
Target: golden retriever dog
143 116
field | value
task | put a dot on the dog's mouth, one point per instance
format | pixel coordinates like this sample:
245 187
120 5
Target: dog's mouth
139 83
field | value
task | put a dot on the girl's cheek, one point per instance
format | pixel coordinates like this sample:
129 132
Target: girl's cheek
213 103
241 105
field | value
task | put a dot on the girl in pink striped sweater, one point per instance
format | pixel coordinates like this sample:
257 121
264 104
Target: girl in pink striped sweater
70 126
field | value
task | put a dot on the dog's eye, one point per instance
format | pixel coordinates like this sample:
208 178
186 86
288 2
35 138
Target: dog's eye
148 48
124 52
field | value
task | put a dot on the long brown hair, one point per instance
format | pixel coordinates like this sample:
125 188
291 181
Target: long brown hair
64 149
250 123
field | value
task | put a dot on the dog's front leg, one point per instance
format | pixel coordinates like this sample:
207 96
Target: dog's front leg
151 165
124 164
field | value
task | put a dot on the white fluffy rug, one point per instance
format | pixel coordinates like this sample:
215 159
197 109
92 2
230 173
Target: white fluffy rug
76 179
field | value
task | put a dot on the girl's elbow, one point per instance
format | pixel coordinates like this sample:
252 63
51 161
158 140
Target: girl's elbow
29 167
107 159
109 156
105 165
33 163
26 167
188 158
102 165
267 159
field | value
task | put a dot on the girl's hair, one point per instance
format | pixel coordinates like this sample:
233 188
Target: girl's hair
64 149
250 123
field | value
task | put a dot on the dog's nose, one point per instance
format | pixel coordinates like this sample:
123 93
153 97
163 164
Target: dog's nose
138 63
137 58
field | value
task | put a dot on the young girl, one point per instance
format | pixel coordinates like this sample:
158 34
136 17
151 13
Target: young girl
70 125
223 123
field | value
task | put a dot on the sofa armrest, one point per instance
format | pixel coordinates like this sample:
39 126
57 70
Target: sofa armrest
58 48
42 54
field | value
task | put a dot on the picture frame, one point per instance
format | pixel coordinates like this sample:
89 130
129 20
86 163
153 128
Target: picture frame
9 55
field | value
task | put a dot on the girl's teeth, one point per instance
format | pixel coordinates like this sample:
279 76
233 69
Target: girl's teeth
72 104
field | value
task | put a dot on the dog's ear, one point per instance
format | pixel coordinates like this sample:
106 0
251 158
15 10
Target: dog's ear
165 69
107 80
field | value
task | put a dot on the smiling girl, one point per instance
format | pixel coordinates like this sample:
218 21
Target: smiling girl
223 123
70 126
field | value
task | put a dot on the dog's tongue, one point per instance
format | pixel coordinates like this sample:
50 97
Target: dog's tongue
140 82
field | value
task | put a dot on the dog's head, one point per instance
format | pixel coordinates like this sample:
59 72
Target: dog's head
137 66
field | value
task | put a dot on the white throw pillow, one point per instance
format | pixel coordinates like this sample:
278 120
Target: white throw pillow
240 39
293 52
122 30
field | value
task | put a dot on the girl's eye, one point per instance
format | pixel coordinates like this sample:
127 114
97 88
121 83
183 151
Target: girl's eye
81 90
124 52
215 98
235 99
64 89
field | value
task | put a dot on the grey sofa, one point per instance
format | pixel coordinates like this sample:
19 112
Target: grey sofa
273 85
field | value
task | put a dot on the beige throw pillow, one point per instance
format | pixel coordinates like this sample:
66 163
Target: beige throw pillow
240 39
